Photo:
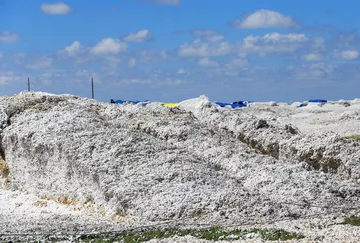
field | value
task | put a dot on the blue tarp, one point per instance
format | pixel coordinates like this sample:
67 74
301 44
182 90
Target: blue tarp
318 101
236 104
129 101
221 104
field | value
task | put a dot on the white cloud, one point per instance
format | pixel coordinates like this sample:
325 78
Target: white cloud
203 32
8 38
321 69
7 77
140 36
265 19
73 49
108 46
273 43
347 54
171 2
214 38
237 63
55 8
318 43
42 62
202 49
135 81
312 57
132 62
181 71
46 75
206 62
4 80
208 35
242 54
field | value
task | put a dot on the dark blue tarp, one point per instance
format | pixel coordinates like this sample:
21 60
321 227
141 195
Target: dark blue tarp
221 104
240 102
318 101
119 101
233 105
129 101
237 105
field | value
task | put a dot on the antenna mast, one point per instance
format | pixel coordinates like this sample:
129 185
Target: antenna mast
92 87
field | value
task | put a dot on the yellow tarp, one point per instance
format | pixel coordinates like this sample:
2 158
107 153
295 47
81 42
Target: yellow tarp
170 104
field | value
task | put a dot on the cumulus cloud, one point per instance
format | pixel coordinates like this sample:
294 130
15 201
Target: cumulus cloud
8 38
206 62
55 8
170 2
203 49
73 49
264 19
274 43
312 57
347 54
108 46
140 36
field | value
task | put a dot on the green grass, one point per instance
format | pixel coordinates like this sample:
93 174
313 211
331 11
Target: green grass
281 235
212 234
356 137
352 220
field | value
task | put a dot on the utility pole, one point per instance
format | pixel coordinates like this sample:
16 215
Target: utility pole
28 84
92 87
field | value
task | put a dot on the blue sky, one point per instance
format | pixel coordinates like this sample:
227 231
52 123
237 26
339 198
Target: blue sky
172 50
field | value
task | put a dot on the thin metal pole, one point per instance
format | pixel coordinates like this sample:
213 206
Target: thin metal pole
92 87
28 84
